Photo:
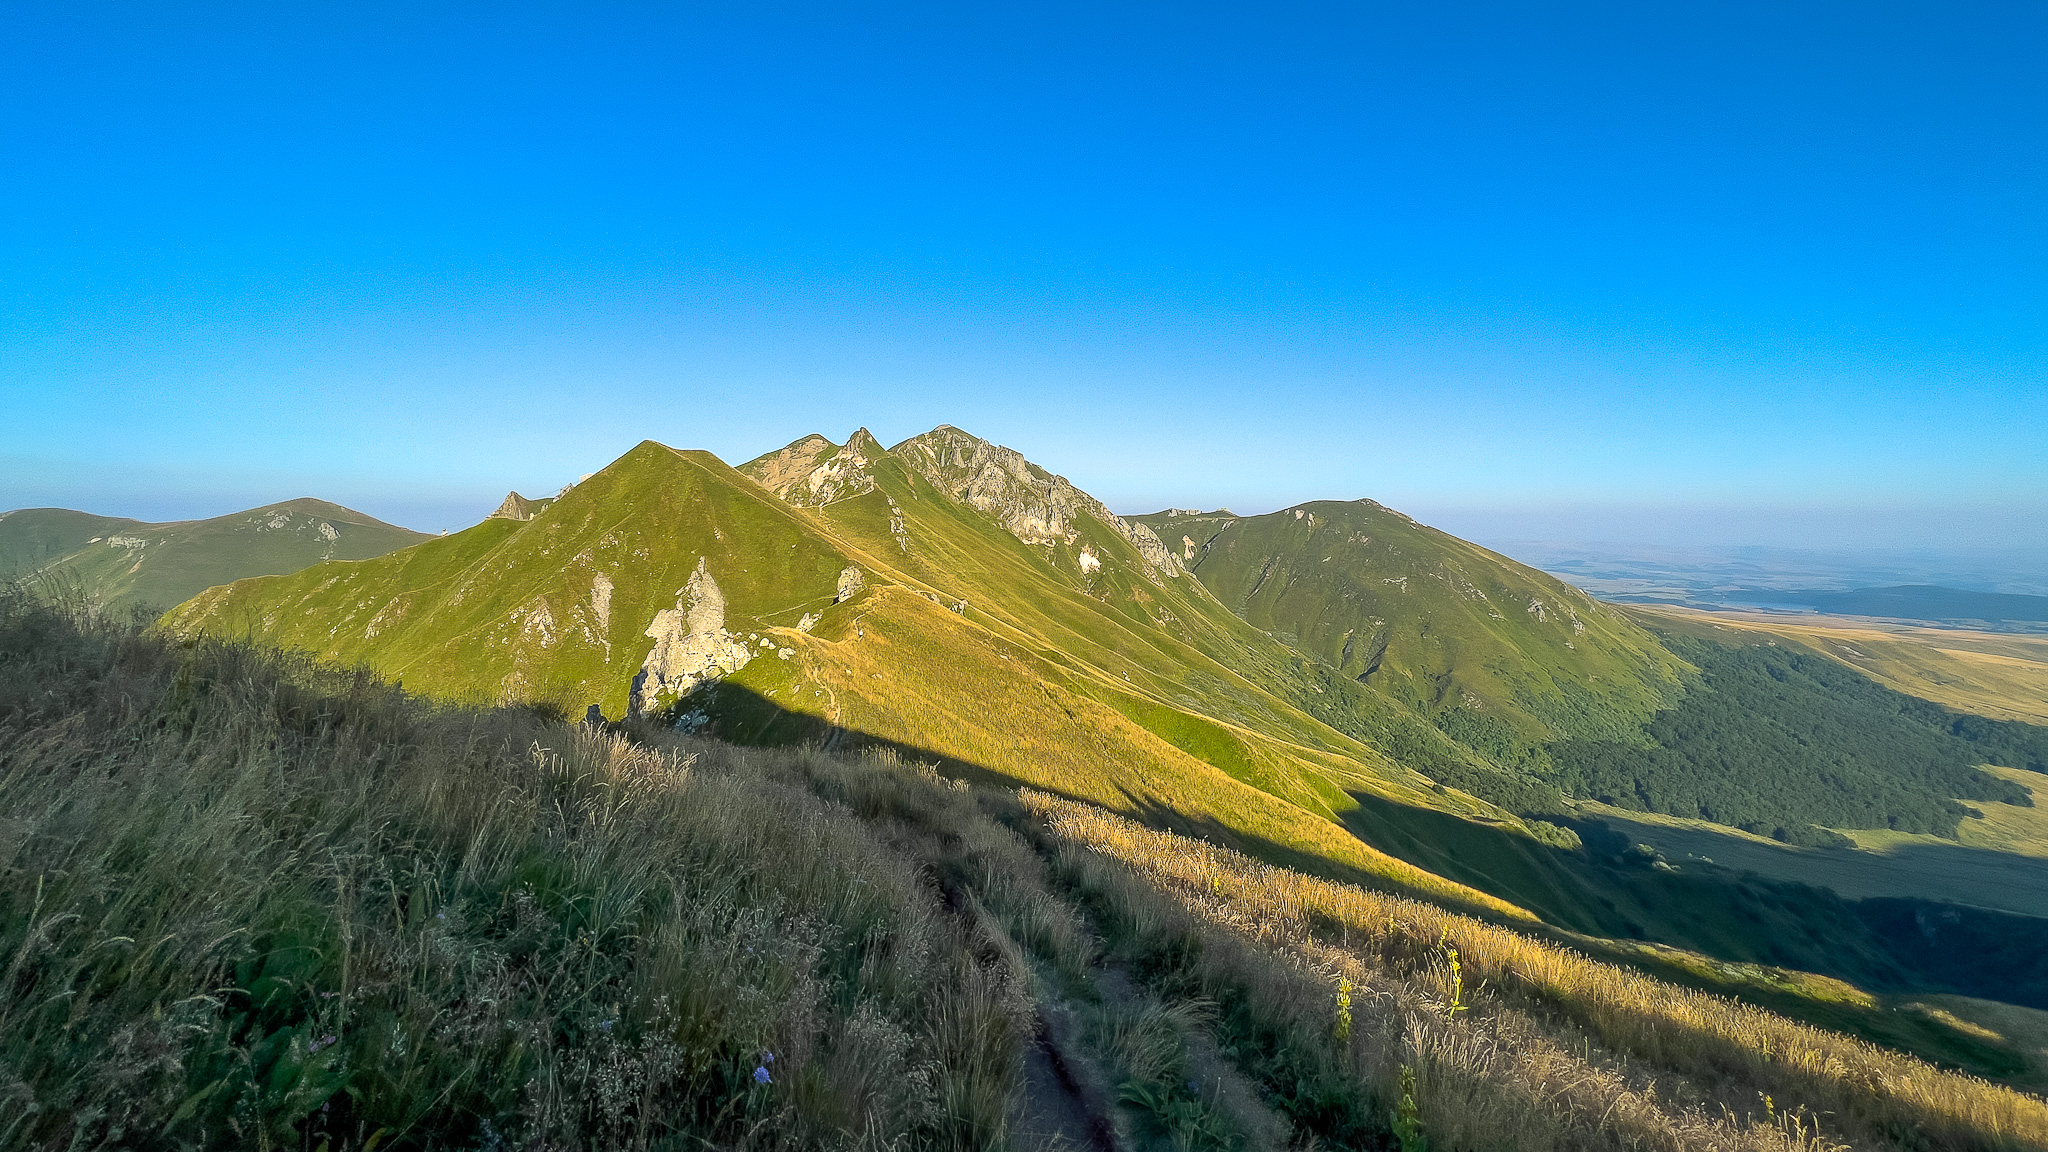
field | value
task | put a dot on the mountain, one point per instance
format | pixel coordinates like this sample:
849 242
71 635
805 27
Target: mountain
995 619
134 563
261 902
1494 652
950 600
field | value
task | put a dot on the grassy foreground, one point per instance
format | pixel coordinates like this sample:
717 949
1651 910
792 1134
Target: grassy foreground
250 901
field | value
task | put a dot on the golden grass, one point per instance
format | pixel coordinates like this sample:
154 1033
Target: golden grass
1717 1057
917 674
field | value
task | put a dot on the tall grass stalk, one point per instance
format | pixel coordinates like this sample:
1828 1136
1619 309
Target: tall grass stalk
1559 1050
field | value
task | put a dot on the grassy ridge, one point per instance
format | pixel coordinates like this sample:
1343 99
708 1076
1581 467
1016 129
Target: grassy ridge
247 903
249 900
554 609
129 563
1119 684
1446 627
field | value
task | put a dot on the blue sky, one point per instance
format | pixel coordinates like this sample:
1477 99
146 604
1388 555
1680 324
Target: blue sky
1755 269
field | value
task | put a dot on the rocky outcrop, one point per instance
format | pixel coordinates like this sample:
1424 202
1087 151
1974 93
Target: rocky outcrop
1034 505
691 645
814 472
849 583
517 507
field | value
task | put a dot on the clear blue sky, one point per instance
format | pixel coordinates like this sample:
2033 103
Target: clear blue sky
1734 261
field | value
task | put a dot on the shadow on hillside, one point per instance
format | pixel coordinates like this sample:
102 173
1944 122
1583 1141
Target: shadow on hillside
1940 871
1882 945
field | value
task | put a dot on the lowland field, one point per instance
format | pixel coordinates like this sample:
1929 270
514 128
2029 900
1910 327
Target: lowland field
1998 674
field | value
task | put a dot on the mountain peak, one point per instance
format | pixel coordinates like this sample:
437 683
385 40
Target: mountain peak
517 507
812 472
1032 504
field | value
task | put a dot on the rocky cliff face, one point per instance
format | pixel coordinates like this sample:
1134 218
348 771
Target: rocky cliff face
517 507
1034 505
691 644
814 472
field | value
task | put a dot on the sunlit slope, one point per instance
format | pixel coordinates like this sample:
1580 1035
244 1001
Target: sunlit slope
131 562
984 528
820 631
1123 654
892 666
554 609
1496 653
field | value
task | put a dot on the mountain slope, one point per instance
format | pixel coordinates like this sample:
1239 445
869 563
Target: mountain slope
669 581
1496 653
558 608
131 562
949 599
366 913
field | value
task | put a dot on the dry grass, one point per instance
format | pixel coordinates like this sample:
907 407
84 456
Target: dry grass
251 902
1560 1050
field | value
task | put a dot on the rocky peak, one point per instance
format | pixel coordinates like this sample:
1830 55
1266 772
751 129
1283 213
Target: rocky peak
813 472
1031 503
517 507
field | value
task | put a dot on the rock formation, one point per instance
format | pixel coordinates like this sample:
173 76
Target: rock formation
517 507
691 645
1034 505
814 472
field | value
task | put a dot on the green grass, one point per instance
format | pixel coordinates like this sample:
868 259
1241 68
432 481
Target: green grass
1009 664
131 564
253 903
1440 624
248 900
1157 698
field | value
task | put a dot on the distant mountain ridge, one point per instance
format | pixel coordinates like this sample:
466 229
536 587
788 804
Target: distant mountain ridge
1910 602
124 562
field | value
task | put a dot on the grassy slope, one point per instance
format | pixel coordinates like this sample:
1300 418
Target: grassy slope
510 610
505 611
164 564
1138 691
1436 622
376 921
33 537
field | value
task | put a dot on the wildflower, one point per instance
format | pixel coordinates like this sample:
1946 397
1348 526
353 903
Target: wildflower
604 1026
761 1076
767 1057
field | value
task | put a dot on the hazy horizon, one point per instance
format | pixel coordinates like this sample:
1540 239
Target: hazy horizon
1595 273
